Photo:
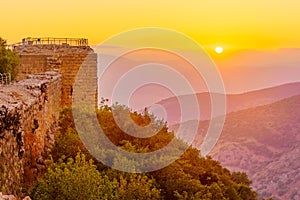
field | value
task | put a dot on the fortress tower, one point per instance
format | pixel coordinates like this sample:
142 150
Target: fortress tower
63 54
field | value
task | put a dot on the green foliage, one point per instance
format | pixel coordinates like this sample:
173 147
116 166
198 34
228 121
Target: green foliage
80 179
71 180
66 121
68 145
194 177
108 115
67 142
241 178
137 187
189 177
8 60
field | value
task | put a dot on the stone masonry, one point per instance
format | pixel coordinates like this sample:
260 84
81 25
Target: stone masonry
65 58
29 112
29 109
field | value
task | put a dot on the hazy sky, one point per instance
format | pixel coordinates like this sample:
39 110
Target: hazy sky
234 24
251 32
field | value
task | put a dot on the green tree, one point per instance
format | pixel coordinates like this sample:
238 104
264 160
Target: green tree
67 142
75 179
68 145
195 177
9 60
137 186
189 177
241 178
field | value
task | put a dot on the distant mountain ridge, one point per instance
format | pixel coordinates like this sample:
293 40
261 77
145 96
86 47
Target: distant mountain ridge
264 142
235 102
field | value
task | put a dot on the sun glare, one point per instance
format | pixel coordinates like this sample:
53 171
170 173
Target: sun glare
219 50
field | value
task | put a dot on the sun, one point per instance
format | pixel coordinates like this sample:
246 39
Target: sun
219 50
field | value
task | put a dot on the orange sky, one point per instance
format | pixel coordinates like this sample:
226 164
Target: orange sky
232 24
249 31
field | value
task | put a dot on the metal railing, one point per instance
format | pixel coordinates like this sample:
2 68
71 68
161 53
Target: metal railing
49 40
5 78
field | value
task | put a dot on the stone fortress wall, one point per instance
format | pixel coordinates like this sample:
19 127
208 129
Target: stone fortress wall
29 108
28 117
65 58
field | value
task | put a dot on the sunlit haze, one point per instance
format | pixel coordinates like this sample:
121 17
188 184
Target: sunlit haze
233 24
245 30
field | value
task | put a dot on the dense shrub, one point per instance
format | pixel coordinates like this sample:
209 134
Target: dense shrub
74 179
189 177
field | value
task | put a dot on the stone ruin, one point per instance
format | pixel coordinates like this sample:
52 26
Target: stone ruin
29 108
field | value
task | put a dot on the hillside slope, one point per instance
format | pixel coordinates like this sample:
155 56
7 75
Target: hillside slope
264 142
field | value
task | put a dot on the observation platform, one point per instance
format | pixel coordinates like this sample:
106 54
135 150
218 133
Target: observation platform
50 41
